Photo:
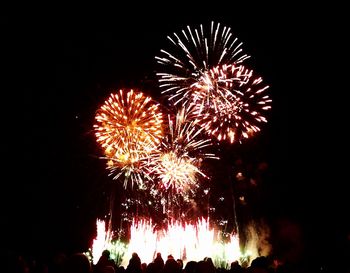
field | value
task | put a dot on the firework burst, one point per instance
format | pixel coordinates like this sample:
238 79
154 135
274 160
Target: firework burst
181 154
229 102
129 128
193 52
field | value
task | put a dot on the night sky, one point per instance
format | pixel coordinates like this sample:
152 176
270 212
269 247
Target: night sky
60 65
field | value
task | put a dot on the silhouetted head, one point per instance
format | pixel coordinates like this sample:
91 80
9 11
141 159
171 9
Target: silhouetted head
134 255
106 253
78 263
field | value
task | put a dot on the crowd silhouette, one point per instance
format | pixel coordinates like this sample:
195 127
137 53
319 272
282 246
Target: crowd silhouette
80 263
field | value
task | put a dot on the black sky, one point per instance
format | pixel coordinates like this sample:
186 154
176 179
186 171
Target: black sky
60 65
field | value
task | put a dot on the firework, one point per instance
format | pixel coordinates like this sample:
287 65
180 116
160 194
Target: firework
129 128
203 72
184 240
229 102
105 241
193 52
181 154
101 241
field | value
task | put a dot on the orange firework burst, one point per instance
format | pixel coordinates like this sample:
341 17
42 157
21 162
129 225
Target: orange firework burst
129 129
230 103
